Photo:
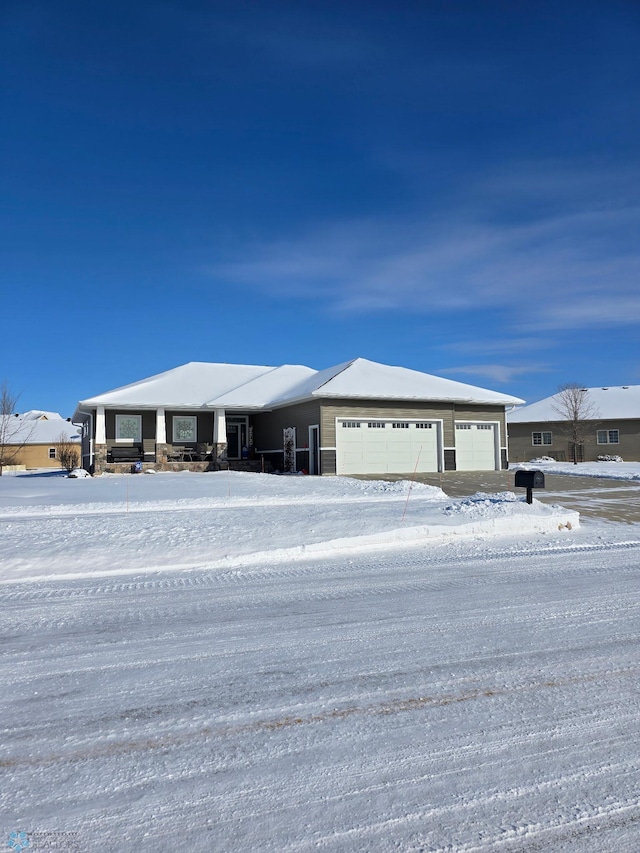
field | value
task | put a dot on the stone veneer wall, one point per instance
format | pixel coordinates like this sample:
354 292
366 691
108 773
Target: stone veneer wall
218 461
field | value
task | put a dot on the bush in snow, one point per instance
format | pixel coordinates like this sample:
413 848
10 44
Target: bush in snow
610 458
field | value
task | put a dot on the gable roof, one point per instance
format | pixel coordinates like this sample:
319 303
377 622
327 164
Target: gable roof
620 402
249 387
27 429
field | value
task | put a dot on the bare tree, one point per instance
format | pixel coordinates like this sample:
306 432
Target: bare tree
14 433
67 452
577 412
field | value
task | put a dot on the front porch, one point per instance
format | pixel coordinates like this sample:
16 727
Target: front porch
255 466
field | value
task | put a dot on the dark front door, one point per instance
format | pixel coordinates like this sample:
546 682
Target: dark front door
236 437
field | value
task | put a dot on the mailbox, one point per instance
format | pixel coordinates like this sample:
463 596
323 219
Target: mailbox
530 479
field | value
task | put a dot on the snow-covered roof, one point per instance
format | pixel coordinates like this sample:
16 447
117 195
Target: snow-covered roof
26 429
237 386
612 403
39 415
361 378
190 386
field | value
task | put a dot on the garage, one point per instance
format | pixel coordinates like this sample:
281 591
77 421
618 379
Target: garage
476 447
387 446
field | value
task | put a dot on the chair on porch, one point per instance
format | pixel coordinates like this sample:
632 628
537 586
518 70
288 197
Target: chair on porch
203 452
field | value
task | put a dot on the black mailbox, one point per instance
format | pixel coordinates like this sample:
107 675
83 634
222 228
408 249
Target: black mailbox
530 479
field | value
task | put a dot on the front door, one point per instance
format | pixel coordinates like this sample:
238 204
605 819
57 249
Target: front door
237 431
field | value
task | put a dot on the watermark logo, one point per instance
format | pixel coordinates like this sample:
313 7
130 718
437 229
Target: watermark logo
18 841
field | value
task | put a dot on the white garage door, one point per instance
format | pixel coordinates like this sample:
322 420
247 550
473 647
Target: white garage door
475 447
386 447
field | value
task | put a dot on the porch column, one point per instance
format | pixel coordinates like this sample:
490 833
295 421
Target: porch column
161 427
219 427
219 455
101 432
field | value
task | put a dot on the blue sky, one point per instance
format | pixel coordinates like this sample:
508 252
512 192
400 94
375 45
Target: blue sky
448 186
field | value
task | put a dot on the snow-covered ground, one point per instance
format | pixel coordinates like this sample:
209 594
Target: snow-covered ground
246 662
610 470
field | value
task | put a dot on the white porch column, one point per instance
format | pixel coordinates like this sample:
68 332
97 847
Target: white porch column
101 432
219 427
161 427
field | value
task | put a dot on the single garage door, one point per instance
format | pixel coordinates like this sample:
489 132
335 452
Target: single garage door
475 447
386 446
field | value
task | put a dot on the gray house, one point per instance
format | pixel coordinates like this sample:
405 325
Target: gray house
359 417
537 430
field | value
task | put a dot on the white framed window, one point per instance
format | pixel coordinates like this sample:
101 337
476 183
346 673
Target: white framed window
184 428
376 425
484 426
350 424
608 436
400 425
52 453
463 426
424 426
538 438
129 428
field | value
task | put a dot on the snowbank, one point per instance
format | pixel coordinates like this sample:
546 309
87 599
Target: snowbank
56 527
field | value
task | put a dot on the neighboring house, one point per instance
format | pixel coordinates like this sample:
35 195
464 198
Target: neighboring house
356 418
538 430
29 440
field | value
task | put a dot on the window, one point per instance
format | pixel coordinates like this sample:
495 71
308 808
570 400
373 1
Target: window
487 426
424 426
538 438
376 425
351 424
463 426
129 428
400 425
52 453
608 436
184 428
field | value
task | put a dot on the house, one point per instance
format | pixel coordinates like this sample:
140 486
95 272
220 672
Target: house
538 430
30 440
359 417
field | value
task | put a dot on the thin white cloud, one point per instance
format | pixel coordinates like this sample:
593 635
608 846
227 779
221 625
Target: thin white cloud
496 346
497 372
575 266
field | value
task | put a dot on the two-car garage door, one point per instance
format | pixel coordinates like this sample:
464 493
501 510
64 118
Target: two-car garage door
387 446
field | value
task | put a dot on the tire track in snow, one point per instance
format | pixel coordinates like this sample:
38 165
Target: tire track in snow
204 575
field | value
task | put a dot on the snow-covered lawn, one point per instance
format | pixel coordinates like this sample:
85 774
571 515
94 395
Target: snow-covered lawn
235 662
610 470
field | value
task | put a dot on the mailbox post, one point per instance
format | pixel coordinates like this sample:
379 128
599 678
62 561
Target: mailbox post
530 480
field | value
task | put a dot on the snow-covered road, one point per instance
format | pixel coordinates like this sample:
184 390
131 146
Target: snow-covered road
467 697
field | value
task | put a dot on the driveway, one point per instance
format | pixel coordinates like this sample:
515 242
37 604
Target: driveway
596 497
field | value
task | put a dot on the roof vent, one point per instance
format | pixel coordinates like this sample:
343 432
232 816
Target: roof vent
605 389
625 387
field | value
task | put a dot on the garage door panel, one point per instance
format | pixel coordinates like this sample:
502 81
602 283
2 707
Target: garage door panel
475 447
387 447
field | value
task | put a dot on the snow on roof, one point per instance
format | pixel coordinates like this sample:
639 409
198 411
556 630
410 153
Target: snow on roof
262 391
39 415
25 429
190 386
612 403
357 379
241 386
369 379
